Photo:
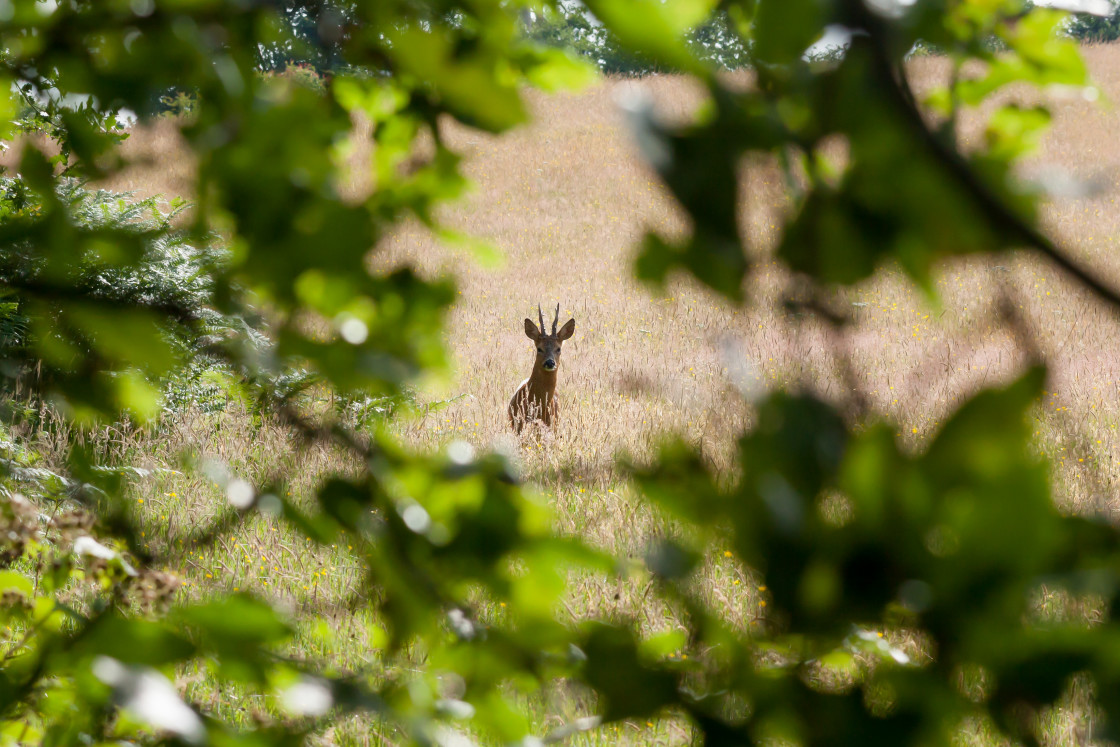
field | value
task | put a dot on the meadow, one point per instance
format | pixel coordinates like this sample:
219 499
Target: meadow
565 200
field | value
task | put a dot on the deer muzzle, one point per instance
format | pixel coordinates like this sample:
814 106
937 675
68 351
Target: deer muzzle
549 365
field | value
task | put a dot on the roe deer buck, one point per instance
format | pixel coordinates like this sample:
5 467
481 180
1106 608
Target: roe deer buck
536 397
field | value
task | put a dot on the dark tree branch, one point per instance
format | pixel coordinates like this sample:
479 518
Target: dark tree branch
999 212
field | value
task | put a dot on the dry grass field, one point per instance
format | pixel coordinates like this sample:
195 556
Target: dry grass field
565 200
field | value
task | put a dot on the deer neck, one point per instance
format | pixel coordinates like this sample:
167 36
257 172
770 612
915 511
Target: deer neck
542 381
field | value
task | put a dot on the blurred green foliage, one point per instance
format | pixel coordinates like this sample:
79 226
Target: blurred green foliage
102 301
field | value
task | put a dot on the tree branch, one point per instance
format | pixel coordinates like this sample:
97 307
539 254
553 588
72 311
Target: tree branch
998 211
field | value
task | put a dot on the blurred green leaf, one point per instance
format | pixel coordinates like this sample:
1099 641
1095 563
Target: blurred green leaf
614 667
463 78
656 28
783 31
134 642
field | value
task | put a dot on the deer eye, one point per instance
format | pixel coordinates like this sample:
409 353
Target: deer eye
540 350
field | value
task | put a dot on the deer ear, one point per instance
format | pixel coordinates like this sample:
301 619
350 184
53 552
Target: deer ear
567 330
531 330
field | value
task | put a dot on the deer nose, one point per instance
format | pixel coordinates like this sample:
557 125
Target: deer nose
549 365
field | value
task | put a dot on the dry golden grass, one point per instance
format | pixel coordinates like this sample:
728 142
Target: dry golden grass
566 199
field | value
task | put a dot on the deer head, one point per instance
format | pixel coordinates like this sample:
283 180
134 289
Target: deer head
548 345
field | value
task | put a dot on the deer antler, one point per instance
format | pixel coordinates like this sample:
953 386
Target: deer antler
540 315
555 320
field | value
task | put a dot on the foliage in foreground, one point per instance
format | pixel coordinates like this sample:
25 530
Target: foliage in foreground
942 551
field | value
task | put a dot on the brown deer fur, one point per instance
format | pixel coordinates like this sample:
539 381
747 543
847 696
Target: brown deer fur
536 397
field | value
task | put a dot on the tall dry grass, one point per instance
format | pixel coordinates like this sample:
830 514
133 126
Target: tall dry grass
566 199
